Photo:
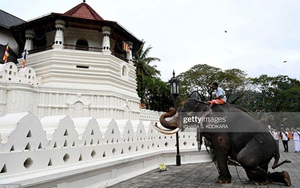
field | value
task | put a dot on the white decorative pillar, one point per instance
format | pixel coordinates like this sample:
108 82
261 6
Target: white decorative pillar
29 36
106 40
59 35
129 53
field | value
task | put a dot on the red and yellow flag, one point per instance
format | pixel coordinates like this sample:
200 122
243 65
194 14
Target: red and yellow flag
6 54
24 59
125 46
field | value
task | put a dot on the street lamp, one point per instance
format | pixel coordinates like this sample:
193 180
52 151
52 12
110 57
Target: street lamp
175 92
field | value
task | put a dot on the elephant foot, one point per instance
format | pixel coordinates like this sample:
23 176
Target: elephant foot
286 178
282 177
223 180
257 183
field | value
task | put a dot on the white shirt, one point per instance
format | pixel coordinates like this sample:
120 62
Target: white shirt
284 135
219 92
296 135
275 135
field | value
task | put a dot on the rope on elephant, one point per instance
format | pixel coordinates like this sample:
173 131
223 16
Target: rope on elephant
243 182
235 163
210 151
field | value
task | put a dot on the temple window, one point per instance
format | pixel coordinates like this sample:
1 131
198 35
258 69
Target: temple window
82 44
124 71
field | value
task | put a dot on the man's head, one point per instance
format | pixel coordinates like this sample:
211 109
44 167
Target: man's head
215 85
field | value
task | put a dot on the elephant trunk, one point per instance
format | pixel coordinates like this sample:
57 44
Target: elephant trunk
171 126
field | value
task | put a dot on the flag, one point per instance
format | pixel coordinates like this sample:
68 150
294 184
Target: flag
6 54
24 59
125 46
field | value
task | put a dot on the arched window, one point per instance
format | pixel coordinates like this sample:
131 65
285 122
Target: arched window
78 109
124 71
82 44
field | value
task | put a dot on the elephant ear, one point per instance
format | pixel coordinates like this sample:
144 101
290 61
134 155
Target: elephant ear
203 107
193 105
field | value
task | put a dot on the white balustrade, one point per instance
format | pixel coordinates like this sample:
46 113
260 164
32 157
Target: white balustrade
29 143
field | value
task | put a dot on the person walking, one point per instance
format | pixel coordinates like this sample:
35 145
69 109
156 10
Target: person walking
275 135
296 136
285 140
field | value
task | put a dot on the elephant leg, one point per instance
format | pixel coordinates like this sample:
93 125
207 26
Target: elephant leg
281 177
257 175
254 158
221 145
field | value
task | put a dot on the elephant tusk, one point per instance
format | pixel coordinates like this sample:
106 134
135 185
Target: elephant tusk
168 132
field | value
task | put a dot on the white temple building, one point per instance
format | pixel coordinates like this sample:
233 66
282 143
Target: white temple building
76 65
71 116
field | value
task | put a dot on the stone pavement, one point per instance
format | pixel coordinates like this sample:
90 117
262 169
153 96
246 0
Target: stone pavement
205 174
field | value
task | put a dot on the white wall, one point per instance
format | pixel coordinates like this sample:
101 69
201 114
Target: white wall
35 152
21 90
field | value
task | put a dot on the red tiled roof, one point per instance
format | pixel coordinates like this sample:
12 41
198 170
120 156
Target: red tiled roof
83 10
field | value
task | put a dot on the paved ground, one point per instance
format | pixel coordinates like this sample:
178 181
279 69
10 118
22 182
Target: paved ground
205 174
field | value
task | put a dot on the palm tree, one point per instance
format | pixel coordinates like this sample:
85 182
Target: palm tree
144 71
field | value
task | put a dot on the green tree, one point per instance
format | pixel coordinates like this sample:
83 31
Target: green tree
200 78
280 95
151 89
158 96
144 69
234 82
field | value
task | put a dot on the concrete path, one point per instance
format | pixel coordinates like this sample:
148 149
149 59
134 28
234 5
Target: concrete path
205 174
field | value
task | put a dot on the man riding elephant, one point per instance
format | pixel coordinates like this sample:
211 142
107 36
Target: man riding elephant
234 135
220 96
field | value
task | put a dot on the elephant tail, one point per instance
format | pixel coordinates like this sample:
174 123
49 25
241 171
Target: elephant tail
277 156
279 164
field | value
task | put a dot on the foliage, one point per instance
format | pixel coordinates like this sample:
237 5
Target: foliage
200 78
143 69
279 93
151 89
274 100
158 95
279 99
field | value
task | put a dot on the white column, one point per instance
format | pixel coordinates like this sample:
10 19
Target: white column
129 54
106 40
59 35
29 35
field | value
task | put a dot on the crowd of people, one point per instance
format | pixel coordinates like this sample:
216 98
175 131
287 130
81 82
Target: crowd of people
286 136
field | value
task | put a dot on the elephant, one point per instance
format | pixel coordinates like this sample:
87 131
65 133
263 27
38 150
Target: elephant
234 135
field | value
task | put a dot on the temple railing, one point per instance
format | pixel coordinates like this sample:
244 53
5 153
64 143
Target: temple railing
77 47
58 141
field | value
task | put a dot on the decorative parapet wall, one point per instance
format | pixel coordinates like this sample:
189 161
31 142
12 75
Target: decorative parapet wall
21 91
9 73
29 144
150 115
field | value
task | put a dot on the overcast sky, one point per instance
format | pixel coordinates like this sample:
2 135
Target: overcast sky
252 35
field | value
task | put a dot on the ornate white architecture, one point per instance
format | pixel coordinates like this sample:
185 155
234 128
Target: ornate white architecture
78 70
71 117
59 151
